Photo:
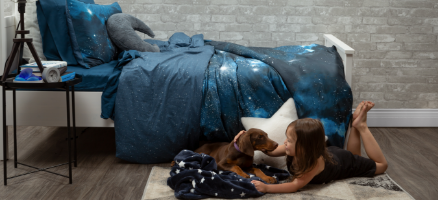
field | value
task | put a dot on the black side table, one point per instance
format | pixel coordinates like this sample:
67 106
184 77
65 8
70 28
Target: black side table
10 85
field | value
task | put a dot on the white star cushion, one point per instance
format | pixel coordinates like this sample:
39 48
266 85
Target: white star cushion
275 127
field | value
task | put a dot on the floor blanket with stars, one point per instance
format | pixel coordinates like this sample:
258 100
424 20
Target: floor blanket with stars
195 176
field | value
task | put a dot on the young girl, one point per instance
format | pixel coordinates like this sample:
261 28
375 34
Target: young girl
310 161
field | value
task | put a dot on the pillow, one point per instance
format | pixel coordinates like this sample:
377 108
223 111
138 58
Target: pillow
275 127
56 42
31 24
87 28
121 29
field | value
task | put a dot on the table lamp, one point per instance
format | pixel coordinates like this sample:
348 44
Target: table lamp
19 42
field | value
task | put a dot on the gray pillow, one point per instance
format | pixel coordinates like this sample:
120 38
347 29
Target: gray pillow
121 28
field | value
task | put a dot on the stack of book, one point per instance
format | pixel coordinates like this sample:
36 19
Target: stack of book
34 66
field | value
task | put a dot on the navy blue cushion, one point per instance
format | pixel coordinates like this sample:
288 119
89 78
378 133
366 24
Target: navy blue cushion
54 30
87 27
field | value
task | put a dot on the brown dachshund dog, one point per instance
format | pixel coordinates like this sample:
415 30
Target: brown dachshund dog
228 157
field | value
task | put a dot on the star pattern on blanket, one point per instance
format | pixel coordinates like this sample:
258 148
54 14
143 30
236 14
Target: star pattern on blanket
182 164
198 184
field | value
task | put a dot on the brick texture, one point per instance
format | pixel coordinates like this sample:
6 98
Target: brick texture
396 42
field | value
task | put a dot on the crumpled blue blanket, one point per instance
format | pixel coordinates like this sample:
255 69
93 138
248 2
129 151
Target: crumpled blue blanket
158 102
195 176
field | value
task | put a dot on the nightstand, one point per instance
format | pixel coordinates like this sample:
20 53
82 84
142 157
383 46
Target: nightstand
10 85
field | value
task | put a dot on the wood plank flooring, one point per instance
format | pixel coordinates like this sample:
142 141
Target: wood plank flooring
412 154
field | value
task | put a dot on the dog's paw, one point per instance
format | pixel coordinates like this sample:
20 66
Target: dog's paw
172 163
270 180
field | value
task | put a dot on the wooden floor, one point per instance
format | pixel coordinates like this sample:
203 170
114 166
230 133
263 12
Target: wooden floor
412 154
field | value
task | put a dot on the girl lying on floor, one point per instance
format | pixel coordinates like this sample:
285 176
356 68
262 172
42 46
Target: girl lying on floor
310 161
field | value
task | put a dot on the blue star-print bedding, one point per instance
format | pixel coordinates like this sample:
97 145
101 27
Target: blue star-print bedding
195 176
170 100
236 87
158 102
314 76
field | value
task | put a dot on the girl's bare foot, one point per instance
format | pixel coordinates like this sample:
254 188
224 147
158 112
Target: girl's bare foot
359 107
370 105
357 111
361 120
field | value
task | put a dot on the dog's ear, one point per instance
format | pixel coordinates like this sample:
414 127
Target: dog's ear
245 144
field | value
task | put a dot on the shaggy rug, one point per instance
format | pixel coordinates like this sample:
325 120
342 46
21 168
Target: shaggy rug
378 187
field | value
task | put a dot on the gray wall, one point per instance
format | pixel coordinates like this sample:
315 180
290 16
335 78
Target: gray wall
396 59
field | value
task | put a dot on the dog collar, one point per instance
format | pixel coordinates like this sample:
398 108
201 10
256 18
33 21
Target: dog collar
237 147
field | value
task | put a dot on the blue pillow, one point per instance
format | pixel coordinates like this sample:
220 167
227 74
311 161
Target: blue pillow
87 28
54 30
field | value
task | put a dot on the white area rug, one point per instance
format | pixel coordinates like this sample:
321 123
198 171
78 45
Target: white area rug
378 187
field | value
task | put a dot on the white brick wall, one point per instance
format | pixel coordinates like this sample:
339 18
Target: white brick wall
396 41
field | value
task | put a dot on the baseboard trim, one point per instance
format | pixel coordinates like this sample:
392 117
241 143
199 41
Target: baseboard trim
403 118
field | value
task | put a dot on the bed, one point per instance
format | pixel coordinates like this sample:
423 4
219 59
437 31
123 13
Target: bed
88 100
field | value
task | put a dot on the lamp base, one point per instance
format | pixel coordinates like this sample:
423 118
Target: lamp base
19 42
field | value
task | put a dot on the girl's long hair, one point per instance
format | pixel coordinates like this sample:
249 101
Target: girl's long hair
310 145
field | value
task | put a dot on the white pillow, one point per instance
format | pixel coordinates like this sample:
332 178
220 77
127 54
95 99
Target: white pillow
275 127
31 24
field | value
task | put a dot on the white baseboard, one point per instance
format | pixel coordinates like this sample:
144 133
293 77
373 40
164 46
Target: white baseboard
397 118
403 118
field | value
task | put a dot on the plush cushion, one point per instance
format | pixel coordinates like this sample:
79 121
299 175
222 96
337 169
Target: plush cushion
275 127
31 24
121 29
54 30
87 27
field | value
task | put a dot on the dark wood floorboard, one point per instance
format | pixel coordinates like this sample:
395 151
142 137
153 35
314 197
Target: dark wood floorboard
412 154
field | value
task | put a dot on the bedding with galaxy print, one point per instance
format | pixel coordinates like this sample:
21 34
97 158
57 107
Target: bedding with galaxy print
54 30
314 76
195 176
236 87
91 43
189 92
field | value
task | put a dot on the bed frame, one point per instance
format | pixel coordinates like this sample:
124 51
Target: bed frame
47 108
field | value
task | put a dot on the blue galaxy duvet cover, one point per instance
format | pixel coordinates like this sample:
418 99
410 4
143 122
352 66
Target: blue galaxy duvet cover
198 90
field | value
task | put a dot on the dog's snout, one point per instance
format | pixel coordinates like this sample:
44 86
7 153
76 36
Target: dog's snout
275 144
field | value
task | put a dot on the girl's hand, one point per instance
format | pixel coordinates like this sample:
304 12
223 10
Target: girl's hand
238 135
260 186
